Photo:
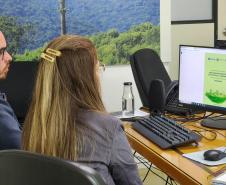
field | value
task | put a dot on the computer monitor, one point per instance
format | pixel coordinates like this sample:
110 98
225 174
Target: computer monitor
202 81
18 86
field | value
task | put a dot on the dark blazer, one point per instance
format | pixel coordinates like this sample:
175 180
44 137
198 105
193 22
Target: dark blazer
10 132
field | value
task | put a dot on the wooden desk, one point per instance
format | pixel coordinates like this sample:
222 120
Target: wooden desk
172 162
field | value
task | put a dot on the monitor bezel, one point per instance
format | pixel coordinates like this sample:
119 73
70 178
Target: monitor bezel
201 107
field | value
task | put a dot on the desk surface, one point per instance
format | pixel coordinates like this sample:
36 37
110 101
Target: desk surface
171 161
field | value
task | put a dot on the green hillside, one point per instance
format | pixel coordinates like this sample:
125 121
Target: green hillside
37 21
114 47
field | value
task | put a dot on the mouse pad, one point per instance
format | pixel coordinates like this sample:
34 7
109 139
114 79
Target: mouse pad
198 156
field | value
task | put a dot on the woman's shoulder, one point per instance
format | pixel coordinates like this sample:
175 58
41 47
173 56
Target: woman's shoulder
101 119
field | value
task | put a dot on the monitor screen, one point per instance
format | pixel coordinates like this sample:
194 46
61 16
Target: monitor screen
202 78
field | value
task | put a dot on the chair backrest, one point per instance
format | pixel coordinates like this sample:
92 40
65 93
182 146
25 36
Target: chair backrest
18 86
146 66
26 168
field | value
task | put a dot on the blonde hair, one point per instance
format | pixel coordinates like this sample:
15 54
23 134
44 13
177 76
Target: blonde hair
62 89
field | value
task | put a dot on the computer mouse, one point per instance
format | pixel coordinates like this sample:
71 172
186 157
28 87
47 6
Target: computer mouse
214 155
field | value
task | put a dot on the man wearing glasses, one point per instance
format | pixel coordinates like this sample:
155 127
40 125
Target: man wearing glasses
10 132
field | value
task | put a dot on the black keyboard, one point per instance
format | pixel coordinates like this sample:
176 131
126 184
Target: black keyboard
165 132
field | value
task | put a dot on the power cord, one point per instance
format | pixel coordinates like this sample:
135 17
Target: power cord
220 115
219 133
214 132
192 119
205 130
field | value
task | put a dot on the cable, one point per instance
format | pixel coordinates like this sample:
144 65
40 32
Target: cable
172 181
141 158
215 132
219 133
145 162
193 119
209 139
142 161
205 130
149 169
218 116
167 180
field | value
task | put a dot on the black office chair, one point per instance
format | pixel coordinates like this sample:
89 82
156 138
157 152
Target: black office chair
147 66
18 86
26 168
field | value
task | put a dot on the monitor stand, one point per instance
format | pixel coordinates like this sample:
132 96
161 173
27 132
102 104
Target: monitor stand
217 123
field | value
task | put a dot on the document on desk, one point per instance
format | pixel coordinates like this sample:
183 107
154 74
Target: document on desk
137 114
198 156
220 179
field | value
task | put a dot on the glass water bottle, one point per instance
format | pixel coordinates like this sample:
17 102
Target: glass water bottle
127 100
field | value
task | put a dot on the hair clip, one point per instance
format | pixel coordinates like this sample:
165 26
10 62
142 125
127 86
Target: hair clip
53 52
49 58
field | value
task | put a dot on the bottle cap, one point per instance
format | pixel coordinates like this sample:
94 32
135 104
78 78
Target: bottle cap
127 83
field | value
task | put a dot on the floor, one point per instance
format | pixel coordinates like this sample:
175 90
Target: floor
155 176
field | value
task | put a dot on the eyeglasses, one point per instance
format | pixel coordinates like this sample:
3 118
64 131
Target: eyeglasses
2 52
102 66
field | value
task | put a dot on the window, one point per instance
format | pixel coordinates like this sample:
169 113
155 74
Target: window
118 28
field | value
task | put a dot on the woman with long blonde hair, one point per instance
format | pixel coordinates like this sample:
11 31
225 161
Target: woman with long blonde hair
67 118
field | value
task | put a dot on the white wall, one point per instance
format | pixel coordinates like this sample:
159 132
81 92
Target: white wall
171 36
165 31
112 86
188 34
221 19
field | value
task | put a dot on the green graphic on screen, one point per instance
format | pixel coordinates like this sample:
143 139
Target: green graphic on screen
215 79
